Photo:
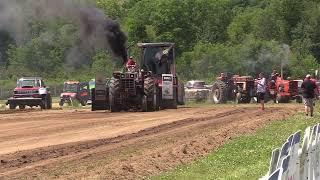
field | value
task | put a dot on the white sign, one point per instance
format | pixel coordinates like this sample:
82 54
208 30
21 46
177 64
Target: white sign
167 86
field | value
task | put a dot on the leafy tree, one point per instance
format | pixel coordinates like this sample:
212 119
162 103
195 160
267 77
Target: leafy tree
300 67
211 36
5 41
112 8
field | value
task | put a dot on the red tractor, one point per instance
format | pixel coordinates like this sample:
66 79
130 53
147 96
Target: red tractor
152 87
244 88
75 91
30 91
230 87
282 91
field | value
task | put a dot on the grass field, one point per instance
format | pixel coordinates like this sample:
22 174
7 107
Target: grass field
246 157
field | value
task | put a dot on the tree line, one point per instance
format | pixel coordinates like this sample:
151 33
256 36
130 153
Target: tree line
211 36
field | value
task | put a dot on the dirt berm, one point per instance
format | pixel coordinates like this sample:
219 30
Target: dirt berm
74 144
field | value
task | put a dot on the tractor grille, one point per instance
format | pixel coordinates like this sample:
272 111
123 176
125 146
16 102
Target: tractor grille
293 87
26 92
128 86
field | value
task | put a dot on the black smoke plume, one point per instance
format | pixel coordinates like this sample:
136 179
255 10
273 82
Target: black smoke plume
117 39
96 30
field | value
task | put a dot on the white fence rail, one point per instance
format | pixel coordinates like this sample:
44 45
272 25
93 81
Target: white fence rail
295 162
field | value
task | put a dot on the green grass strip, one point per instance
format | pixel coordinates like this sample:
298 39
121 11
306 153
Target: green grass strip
246 157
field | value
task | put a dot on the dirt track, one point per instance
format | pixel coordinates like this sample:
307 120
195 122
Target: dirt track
80 144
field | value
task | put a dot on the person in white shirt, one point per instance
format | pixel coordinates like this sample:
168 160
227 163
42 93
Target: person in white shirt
261 89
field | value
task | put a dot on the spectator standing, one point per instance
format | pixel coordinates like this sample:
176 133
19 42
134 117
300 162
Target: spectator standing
308 92
261 89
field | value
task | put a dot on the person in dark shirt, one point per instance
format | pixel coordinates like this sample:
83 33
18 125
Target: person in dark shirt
273 76
308 88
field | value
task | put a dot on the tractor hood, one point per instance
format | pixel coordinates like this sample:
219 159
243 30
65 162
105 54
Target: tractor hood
25 91
26 88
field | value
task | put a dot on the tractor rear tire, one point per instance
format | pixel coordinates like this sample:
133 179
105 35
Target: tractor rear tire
151 96
219 92
114 90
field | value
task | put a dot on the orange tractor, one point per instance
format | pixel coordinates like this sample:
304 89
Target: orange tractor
228 87
282 91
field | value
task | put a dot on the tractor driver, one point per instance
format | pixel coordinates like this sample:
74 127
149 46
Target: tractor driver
222 75
131 64
274 75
